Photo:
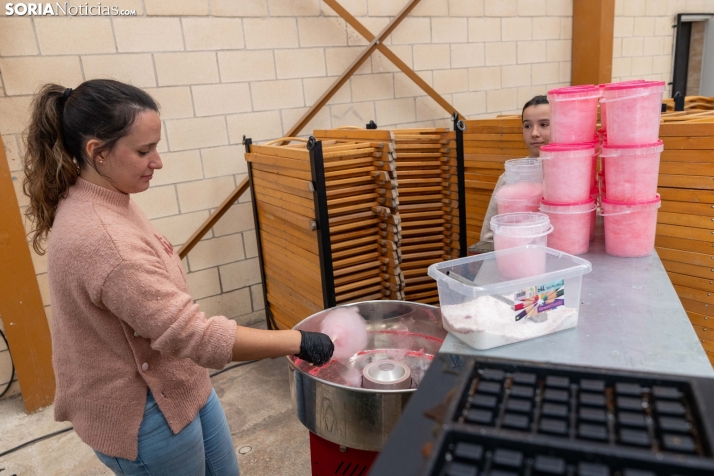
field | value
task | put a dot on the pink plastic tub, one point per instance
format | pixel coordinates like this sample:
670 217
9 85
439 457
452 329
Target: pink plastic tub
595 196
630 227
571 225
567 170
633 112
573 113
512 230
603 107
632 171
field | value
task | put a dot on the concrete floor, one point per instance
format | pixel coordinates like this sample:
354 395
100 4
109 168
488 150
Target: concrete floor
267 435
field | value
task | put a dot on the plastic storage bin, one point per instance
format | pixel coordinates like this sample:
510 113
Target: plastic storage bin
519 229
522 188
633 112
485 309
632 171
572 224
573 113
566 171
630 227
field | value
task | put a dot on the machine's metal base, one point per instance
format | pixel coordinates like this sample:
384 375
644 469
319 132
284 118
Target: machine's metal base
328 458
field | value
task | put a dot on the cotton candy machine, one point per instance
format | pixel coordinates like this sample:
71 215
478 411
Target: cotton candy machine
351 405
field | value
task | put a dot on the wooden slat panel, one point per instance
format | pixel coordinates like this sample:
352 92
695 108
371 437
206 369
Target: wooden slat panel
704 333
674 155
674 129
687 168
693 282
694 295
700 320
687 257
688 208
685 232
688 269
698 307
684 244
671 143
686 181
681 219
685 195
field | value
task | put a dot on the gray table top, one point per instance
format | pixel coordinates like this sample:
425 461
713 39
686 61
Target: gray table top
630 319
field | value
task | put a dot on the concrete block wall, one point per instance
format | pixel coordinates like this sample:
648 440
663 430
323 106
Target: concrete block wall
643 44
222 69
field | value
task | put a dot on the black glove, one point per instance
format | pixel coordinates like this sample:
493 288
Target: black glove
316 348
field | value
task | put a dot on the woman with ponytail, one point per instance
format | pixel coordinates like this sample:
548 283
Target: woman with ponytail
130 347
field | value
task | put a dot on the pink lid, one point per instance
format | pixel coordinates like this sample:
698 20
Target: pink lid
560 204
587 90
554 147
653 201
604 85
631 149
573 208
633 85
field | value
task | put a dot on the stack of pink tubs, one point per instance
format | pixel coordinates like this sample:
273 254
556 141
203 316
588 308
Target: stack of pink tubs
630 161
569 163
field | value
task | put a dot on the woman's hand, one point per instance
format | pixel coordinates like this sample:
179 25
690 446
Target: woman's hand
315 348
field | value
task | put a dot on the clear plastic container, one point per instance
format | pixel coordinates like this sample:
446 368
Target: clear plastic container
633 112
603 105
573 113
632 171
566 171
522 188
513 230
630 227
485 309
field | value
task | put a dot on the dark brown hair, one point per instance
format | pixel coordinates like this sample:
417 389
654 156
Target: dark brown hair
535 101
63 121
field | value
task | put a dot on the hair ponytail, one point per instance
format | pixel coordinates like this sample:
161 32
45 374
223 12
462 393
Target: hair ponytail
49 168
62 122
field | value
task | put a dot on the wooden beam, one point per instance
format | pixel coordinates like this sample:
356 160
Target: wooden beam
374 43
213 219
593 27
389 54
21 308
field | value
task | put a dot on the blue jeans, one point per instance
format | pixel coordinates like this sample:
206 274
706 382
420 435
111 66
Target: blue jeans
203 448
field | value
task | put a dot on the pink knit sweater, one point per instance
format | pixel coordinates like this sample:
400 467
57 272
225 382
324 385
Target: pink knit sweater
122 321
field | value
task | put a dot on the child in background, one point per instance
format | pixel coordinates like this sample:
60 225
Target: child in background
536 133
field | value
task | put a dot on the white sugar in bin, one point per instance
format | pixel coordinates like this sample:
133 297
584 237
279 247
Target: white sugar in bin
484 309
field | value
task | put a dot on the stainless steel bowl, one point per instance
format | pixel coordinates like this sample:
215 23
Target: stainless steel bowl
329 401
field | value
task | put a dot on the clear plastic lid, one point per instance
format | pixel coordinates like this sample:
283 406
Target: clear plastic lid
482 270
523 170
637 149
585 206
616 91
520 224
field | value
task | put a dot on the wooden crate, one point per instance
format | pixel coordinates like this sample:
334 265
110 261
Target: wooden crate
487 143
319 209
685 223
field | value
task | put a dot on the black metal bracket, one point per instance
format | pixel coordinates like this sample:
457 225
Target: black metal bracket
459 128
371 125
317 164
269 319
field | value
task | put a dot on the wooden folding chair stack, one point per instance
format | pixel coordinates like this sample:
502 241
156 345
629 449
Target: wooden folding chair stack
319 210
685 223
488 143
389 235
428 206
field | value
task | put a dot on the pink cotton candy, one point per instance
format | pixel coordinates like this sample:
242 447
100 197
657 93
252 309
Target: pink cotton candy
633 112
519 197
520 229
347 329
571 233
567 175
632 172
573 113
630 229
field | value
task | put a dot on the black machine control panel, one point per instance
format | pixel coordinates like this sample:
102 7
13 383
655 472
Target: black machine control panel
494 417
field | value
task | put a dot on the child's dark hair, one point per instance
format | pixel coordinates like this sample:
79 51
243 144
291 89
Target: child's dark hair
62 122
536 101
